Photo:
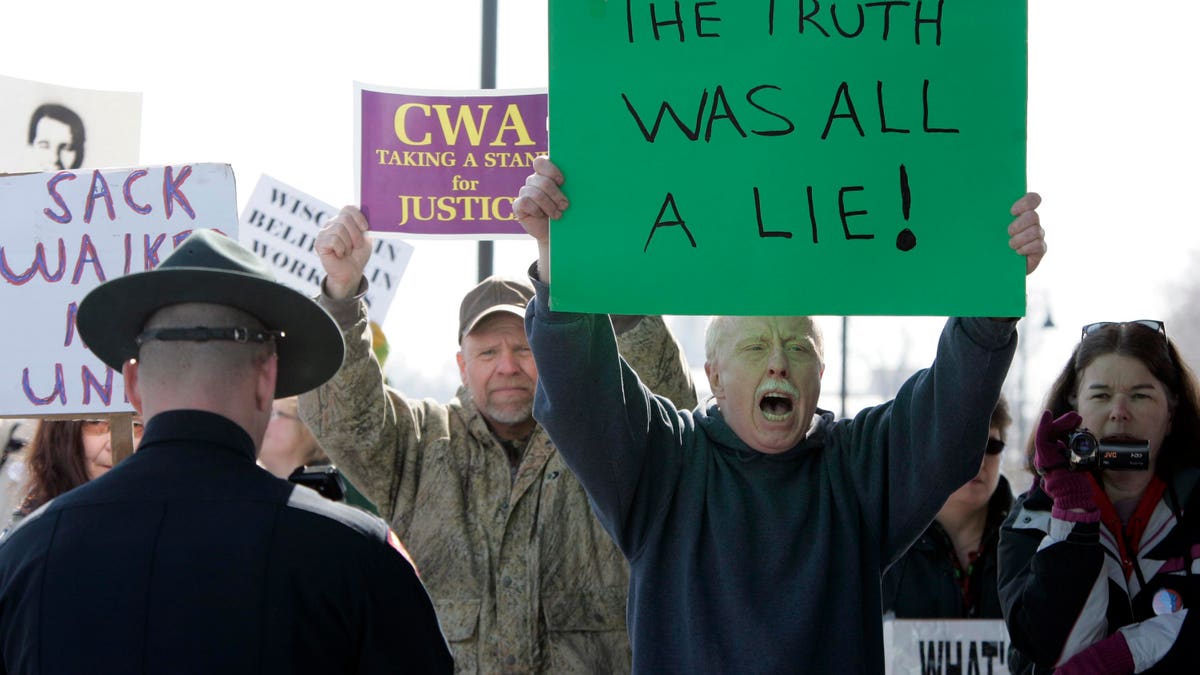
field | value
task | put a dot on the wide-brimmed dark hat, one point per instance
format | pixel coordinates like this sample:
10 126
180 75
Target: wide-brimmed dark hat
211 268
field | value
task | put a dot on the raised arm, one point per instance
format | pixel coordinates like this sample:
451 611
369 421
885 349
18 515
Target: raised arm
645 342
371 432
618 438
913 452
541 200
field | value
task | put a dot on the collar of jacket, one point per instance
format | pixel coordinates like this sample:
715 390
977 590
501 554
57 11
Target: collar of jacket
1183 484
196 426
538 448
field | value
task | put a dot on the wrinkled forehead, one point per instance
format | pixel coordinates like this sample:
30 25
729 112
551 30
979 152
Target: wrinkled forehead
497 327
786 327
736 329
1118 370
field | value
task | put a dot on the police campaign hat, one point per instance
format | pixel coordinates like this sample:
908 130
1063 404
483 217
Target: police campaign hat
209 267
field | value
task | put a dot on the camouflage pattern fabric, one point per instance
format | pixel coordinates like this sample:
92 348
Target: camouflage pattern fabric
523 577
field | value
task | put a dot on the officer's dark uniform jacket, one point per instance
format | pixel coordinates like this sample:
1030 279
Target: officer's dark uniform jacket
187 557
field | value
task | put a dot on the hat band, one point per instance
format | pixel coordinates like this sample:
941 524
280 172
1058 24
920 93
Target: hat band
203 334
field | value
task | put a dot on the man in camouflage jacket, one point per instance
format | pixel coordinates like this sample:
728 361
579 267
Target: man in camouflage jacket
522 575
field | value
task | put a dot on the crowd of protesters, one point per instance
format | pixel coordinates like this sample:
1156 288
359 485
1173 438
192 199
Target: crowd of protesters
574 508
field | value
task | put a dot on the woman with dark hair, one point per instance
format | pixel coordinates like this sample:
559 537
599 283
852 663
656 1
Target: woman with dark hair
63 455
1099 562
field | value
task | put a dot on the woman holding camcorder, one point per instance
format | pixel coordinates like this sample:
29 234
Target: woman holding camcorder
1099 561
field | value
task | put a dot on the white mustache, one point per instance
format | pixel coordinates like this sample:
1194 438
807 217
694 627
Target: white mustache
776 384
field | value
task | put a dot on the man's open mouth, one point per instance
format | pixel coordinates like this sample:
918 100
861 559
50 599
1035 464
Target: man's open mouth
775 406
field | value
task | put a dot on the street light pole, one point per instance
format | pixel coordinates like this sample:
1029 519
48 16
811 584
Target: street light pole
845 352
1033 330
487 77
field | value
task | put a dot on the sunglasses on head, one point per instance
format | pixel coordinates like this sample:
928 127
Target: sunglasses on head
1152 324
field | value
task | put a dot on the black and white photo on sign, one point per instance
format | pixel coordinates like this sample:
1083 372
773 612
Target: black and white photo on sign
46 127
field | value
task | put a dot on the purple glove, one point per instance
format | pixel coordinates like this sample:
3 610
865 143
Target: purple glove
1110 656
1069 489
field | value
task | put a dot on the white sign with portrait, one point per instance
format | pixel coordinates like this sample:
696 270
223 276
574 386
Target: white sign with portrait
45 127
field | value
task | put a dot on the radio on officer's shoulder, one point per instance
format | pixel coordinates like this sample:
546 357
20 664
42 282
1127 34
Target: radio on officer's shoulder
325 479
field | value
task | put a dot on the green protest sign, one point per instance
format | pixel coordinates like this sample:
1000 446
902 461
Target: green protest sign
788 156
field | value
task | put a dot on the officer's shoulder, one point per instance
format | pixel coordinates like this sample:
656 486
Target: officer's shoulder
365 524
